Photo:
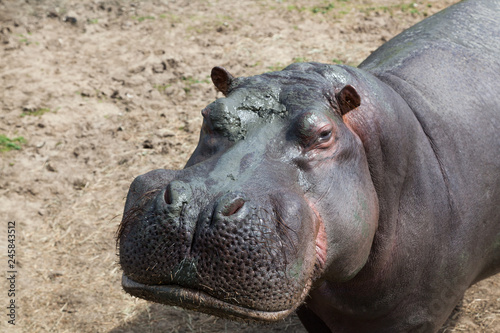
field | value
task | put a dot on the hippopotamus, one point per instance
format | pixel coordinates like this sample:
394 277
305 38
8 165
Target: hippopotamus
364 199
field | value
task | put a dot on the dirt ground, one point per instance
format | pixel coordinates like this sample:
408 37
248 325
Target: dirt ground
95 93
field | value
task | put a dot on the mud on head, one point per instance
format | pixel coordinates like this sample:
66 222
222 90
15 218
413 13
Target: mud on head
276 196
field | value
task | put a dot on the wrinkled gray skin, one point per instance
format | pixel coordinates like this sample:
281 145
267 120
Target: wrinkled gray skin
366 199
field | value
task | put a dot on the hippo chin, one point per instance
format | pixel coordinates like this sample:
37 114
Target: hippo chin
366 199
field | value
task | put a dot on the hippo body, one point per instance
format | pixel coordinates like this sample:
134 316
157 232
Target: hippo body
365 199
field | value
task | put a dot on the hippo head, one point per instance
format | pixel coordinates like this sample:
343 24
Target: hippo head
276 198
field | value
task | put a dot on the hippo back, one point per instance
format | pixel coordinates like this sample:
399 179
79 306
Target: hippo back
431 65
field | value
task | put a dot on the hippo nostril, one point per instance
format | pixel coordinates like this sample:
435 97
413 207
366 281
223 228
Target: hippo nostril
176 195
168 194
233 207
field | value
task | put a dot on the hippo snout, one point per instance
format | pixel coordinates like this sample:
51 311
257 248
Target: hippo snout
177 194
233 246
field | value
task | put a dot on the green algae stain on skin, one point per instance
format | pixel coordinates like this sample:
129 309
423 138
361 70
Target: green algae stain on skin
464 259
296 269
186 271
496 244
361 215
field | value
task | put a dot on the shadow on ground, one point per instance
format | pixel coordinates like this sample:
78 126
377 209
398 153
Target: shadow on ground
158 318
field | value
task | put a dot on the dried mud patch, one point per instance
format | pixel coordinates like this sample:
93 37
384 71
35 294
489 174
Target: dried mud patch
102 91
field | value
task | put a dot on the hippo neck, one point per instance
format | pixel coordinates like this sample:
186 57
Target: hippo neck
404 169
387 140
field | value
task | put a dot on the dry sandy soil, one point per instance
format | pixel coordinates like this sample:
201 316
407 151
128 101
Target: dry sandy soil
104 91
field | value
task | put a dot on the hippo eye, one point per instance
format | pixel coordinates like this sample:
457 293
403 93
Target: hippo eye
325 135
314 131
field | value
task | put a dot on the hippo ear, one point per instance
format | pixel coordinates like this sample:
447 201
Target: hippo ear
348 99
222 79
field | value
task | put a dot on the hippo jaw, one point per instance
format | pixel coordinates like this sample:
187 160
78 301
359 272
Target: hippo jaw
200 301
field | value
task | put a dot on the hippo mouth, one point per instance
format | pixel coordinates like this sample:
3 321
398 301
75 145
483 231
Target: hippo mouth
243 303
232 256
200 301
